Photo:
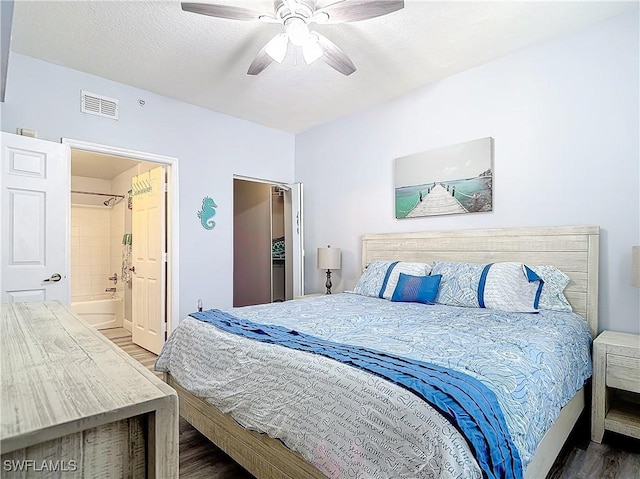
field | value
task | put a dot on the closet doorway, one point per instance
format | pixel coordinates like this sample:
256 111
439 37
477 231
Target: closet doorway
267 241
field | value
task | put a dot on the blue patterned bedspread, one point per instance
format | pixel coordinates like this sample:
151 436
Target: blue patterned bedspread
466 402
533 363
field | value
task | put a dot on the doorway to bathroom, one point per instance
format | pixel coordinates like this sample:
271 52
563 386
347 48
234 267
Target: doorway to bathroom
119 243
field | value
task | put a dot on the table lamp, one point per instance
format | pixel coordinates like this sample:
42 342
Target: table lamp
329 258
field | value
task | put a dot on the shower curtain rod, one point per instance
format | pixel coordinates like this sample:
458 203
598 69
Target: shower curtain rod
97 194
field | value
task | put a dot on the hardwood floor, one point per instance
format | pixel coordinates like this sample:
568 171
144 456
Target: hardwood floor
122 338
199 458
618 457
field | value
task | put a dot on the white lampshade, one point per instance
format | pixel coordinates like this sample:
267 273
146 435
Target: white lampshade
635 266
329 258
311 49
277 47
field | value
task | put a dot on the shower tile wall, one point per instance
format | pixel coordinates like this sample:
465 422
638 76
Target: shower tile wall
90 249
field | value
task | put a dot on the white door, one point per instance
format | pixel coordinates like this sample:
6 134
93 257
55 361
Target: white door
294 241
148 248
34 216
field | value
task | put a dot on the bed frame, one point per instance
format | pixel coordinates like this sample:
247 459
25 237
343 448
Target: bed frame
573 249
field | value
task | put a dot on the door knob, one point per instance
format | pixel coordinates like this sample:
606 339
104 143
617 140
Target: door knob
54 278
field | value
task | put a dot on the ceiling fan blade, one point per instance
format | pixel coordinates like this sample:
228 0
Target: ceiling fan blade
334 56
356 10
260 62
223 11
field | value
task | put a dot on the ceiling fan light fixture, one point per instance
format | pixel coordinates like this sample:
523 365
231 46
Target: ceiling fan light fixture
295 16
311 49
277 47
298 31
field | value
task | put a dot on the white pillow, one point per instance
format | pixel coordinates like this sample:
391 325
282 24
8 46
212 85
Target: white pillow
555 281
509 287
380 278
459 283
372 278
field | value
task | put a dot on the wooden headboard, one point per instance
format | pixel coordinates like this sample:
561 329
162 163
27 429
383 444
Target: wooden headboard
572 249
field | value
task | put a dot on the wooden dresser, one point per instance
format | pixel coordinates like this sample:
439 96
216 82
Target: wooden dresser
74 405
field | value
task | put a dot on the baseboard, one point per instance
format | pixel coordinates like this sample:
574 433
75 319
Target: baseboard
126 324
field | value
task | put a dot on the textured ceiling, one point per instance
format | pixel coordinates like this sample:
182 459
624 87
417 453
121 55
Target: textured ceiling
156 46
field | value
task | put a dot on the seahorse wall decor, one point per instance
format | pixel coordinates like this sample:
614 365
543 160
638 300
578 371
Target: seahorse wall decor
207 213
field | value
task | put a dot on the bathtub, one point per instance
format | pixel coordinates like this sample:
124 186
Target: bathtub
101 311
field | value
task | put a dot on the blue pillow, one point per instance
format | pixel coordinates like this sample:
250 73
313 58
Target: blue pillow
417 289
393 273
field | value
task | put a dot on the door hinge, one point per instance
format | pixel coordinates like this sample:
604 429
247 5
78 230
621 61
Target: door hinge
164 257
165 187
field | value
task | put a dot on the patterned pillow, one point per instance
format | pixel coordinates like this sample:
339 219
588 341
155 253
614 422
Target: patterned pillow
459 284
416 289
394 272
370 283
509 287
555 281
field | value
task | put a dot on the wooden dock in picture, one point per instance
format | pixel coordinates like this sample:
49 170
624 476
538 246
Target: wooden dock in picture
438 202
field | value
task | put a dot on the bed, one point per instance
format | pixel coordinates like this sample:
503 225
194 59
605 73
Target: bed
574 250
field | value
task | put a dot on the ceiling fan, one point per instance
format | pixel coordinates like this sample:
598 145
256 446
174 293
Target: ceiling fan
296 16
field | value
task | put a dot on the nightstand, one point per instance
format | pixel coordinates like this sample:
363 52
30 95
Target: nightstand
616 385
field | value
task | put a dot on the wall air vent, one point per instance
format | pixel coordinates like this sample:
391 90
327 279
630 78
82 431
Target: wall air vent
99 105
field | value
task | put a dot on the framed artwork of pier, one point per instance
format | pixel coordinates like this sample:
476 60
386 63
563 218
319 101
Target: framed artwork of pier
454 179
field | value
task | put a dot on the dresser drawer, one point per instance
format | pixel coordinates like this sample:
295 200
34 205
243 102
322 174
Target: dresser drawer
623 373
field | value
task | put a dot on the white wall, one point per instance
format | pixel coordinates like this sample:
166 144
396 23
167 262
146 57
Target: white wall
211 147
565 118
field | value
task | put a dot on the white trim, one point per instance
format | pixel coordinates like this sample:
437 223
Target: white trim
116 150
283 184
173 218
67 237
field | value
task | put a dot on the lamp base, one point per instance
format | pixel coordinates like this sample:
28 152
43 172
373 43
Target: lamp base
328 283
